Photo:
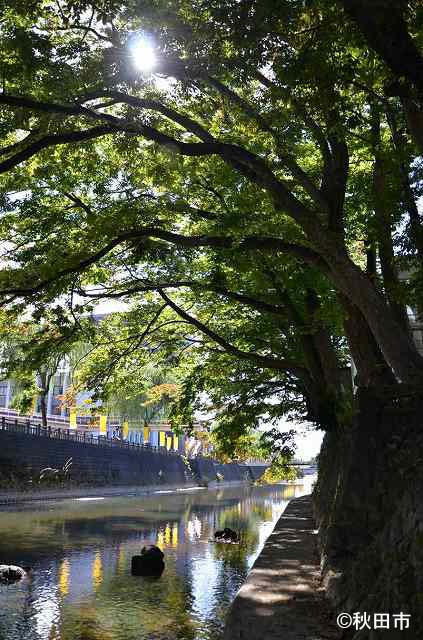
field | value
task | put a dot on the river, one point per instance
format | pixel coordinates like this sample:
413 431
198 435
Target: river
80 586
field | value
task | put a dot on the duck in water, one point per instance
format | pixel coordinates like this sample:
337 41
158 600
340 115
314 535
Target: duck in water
226 535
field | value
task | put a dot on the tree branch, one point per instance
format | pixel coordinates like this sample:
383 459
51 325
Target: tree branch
385 29
247 163
87 30
71 137
259 305
263 361
185 121
288 161
249 243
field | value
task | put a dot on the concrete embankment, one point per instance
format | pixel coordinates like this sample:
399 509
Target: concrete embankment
8 498
280 599
17 497
24 453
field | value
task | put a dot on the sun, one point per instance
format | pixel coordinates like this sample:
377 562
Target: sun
143 54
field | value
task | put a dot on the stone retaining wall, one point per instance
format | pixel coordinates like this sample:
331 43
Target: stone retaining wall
90 463
369 508
256 471
232 472
25 455
206 469
203 469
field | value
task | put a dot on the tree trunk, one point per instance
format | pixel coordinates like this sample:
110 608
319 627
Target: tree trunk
383 204
325 354
413 110
395 343
371 260
407 195
368 359
416 226
320 356
321 406
321 383
386 250
43 405
383 25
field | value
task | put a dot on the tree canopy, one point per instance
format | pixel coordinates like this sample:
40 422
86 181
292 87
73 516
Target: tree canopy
251 199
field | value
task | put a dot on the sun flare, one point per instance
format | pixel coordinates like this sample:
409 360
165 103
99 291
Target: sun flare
144 55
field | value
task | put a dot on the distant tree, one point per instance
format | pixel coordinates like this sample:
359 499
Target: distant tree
31 354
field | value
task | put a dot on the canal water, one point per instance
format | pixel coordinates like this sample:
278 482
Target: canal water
80 587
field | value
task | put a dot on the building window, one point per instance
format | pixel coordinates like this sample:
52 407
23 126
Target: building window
57 391
3 392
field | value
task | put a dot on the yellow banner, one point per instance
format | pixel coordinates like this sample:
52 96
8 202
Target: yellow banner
125 430
103 425
72 418
175 535
168 443
175 443
146 435
162 439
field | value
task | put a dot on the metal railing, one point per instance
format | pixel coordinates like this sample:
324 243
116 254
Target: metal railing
22 425
62 422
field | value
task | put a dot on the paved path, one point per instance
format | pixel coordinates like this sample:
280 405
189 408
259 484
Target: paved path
280 599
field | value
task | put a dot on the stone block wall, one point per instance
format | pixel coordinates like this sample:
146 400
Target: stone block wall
369 507
256 471
98 464
206 469
90 463
232 472
203 469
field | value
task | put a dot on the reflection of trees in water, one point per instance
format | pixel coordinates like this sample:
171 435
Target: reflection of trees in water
84 623
16 597
263 511
108 603
133 608
244 518
237 555
233 555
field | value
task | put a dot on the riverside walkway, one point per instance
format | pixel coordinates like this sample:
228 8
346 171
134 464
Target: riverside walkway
280 599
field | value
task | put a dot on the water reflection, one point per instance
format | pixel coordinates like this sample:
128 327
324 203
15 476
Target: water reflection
63 578
81 587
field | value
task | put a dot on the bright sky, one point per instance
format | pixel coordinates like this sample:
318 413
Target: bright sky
308 440
109 306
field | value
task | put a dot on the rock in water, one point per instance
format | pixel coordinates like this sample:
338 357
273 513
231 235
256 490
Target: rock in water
226 535
11 573
149 563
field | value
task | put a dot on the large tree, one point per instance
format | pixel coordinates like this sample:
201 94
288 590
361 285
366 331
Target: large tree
261 144
392 28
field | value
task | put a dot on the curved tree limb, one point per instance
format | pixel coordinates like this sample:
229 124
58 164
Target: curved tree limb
263 361
249 243
255 303
70 137
250 165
